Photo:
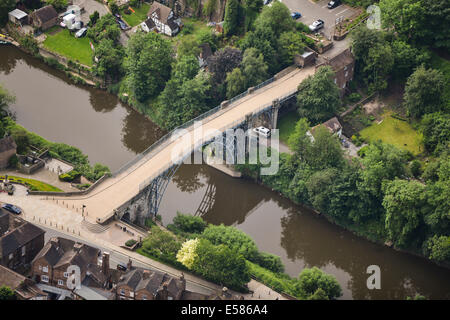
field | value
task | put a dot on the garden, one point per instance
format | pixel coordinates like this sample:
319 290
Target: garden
135 15
65 43
33 185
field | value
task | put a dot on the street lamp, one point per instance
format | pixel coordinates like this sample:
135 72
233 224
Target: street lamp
82 211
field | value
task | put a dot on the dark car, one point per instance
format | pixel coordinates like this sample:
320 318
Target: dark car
122 24
12 208
296 15
122 266
333 4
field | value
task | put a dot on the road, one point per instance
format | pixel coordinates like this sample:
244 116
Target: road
312 11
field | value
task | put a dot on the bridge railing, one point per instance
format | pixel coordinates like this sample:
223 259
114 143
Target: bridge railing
189 123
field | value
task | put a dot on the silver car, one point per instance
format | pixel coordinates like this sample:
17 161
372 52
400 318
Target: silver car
316 25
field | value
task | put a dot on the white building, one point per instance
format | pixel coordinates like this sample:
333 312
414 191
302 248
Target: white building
164 19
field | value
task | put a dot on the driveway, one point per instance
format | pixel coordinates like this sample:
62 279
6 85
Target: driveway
312 11
90 6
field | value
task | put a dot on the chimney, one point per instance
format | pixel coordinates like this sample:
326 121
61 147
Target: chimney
163 294
146 274
129 264
225 292
105 263
183 282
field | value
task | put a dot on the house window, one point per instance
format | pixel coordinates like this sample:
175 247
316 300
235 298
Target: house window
11 255
23 251
66 275
131 294
45 269
169 298
60 283
144 297
346 74
122 292
44 278
40 268
335 80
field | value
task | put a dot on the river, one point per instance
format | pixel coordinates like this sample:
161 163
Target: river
112 133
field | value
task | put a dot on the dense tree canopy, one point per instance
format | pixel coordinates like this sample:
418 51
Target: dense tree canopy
315 284
318 96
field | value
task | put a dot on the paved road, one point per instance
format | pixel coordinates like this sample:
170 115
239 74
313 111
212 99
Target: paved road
312 11
114 192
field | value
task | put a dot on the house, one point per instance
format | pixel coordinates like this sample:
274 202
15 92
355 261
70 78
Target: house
333 125
164 19
205 52
148 25
18 17
343 65
141 284
8 148
24 288
20 241
50 266
44 18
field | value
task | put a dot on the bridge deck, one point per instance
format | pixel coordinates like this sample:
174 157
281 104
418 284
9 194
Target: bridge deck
117 190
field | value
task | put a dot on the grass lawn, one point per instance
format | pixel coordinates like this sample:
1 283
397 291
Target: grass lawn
137 17
192 29
33 184
286 124
396 132
64 43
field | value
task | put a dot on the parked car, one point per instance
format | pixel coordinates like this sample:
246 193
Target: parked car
266 2
122 266
262 131
62 24
121 24
317 25
12 208
80 33
334 3
296 15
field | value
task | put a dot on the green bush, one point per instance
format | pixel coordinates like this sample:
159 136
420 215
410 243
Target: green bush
13 161
269 261
188 223
354 97
130 243
69 176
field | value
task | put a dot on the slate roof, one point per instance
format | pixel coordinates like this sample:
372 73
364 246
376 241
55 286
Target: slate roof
341 60
46 13
162 12
19 236
150 24
7 143
333 125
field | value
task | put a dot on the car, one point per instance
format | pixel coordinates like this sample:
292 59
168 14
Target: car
121 24
296 15
62 24
122 266
317 25
266 2
80 33
12 208
334 3
262 131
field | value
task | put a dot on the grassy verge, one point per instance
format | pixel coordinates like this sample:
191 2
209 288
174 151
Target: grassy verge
396 132
65 43
286 125
136 17
34 185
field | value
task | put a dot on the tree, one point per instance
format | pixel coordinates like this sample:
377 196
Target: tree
381 162
406 58
5 7
264 40
236 83
424 92
93 18
439 248
186 68
105 28
299 141
318 96
436 132
59 5
5 99
253 67
231 19
147 64
314 279
378 66
290 44
222 62
324 152
251 9
220 264
187 253
161 244
276 17
188 223
233 238
110 58
6 293
209 8
113 7
188 46
405 204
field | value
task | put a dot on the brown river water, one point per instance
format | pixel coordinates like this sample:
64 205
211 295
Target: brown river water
112 133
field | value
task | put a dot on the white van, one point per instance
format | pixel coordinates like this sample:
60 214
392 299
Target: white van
262 131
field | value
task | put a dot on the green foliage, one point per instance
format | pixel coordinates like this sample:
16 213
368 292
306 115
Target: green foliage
162 245
231 19
113 7
253 67
70 176
314 279
147 69
105 28
110 58
439 248
233 238
130 243
5 7
222 265
188 223
188 46
6 99
30 44
93 18
236 83
270 262
424 92
209 8
276 18
59 5
318 96
416 168
290 44
405 204
6 293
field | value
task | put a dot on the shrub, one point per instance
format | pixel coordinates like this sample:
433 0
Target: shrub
13 161
269 261
188 223
354 97
416 168
130 243
69 176
187 254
